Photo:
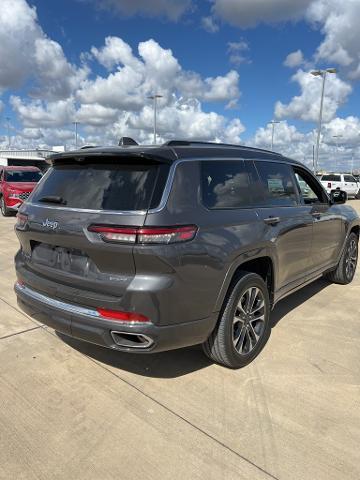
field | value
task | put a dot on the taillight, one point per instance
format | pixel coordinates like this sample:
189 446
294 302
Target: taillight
145 235
329 185
21 220
115 234
127 317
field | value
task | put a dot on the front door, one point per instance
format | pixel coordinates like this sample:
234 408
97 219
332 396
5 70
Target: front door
287 223
327 222
350 185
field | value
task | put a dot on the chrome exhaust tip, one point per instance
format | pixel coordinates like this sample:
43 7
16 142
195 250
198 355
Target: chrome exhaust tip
131 340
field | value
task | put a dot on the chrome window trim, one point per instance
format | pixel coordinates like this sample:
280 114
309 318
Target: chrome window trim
167 188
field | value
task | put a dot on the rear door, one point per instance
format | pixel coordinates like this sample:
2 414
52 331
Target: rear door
287 223
57 244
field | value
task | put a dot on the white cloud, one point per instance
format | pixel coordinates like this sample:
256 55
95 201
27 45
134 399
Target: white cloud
347 129
209 24
37 113
294 59
96 115
181 118
57 77
299 145
133 78
18 32
306 105
248 13
338 21
115 52
237 52
172 9
27 53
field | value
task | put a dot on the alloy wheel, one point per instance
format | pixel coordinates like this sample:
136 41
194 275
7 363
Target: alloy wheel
351 259
249 320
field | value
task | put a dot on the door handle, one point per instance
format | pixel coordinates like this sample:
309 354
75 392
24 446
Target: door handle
272 220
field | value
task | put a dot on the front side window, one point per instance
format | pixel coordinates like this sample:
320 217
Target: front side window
309 189
228 184
349 178
277 185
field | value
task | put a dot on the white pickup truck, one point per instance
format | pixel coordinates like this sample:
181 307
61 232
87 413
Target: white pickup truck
340 181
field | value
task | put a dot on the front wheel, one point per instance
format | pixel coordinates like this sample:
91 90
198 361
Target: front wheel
244 323
346 268
4 210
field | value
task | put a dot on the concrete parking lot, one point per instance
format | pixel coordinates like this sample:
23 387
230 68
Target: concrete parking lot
70 410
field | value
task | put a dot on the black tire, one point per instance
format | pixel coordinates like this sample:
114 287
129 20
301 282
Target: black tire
4 210
220 346
345 270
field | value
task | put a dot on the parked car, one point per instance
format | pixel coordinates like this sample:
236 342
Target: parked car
16 184
340 181
145 249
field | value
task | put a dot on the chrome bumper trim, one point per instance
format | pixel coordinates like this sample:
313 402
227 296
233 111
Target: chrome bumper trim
51 302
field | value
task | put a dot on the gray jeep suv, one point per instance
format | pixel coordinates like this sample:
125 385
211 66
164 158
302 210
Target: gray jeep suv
145 249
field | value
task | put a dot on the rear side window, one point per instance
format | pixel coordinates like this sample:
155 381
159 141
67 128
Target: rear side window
277 184
349 178
18 176
331 178
105 186
228 184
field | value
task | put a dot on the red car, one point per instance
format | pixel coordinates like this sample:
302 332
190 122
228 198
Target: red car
16 184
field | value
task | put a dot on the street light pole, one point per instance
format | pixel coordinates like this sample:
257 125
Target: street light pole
273 123
76 133
8 130
321 73
155 97
337 149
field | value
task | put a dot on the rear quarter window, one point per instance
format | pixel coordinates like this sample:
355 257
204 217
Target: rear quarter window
105 185
331 178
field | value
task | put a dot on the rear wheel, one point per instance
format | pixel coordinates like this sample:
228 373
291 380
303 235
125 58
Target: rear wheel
244 324
4 210
345 270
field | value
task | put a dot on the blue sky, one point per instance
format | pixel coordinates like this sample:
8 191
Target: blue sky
237 108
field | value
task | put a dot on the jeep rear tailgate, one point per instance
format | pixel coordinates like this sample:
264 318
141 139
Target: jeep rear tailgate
58 252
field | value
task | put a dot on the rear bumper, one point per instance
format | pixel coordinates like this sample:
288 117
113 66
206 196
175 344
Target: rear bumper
86 324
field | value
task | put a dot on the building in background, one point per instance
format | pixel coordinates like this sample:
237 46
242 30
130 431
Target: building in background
27 157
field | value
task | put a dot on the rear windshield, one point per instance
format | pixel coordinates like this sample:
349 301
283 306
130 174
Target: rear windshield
22 176
331 178
104 186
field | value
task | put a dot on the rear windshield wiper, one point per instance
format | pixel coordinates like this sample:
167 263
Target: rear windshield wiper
53 199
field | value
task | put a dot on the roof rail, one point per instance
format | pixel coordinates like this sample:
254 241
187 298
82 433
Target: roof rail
127 142
190 143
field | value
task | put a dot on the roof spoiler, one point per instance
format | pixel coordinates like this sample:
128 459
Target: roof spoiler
127 142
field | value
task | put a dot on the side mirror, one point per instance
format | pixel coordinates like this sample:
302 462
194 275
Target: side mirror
338 196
